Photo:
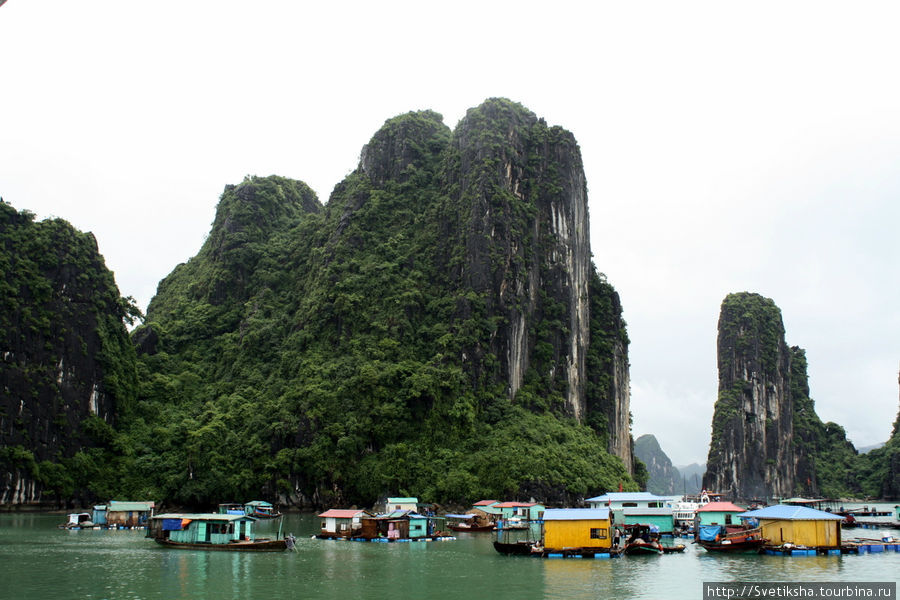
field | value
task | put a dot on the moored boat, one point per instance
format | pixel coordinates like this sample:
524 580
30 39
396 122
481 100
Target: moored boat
211 532
77 521
520 548
641 539
467 523
720 538
640 546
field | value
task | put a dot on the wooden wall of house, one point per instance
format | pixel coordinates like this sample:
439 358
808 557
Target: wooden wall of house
576 534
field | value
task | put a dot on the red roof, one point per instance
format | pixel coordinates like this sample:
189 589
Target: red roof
514 504
485 502
338 513
720 507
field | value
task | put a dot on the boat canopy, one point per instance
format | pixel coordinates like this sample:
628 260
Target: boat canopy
709 533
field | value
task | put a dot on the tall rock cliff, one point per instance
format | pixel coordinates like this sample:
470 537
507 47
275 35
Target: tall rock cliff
66 365
523 224
751 452
436 328
767 439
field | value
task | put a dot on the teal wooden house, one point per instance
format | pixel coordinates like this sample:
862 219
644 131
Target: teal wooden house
525 511
660 517
718 513
401 503
205 528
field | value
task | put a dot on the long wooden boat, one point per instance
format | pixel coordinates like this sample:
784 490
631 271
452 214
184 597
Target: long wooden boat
734 541
211 531
470 528
257 545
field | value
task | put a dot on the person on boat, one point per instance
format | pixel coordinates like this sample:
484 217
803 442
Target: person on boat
617 537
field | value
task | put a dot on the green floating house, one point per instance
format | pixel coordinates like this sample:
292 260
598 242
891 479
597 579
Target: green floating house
718 513
660 517
525 511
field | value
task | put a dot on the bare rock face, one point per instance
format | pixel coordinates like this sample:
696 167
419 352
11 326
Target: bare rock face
751 453
524 208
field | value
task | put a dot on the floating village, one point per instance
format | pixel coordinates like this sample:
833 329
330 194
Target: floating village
612 525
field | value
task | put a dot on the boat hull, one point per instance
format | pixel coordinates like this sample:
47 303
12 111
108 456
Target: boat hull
249 546
464 529
517 548
735 547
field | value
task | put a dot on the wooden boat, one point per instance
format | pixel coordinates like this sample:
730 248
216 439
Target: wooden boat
640 546
77 521
673 549
226 532
471 528
640 539
467 523
526 548
719 538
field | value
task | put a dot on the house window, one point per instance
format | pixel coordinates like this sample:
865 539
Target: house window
629 504
599 534
416 527
323 525
728 519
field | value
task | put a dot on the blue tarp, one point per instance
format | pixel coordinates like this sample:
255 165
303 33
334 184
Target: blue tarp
450 516
171 524
708 533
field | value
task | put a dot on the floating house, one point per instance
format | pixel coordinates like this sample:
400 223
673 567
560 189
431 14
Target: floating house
662 518
343 523
719 513
261 510
797 525
525 511
567 529
400 525
129 514
392 504
214 531
620 500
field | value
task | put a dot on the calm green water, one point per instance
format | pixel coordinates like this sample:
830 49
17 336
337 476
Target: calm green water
39 561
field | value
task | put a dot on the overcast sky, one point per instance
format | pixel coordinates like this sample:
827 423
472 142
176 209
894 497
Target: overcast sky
728 147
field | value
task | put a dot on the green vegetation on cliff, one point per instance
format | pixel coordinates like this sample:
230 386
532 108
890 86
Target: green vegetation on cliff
336 354
67 367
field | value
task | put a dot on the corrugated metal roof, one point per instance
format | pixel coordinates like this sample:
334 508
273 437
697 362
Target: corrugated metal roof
576 514
402 500
628 497
204 517
633 511
486 502
338 513
515 504
720 507
791 513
